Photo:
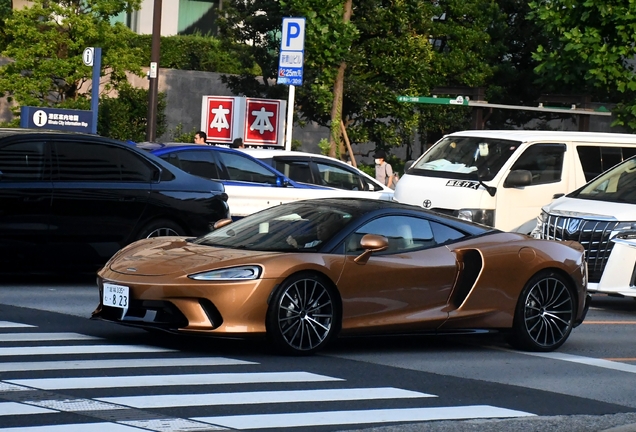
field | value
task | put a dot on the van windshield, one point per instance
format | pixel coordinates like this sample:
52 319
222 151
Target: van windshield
465 158
615 185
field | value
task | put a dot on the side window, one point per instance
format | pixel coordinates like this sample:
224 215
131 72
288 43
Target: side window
240 168
590 157
610 156
337 177
443 233
24 161
544 161
403 232
90 161
296 170
199 163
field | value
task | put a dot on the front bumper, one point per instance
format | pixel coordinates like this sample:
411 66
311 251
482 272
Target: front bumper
586 307
619 274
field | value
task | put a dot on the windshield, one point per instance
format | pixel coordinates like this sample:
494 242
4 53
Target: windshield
616 185
284 228
465 158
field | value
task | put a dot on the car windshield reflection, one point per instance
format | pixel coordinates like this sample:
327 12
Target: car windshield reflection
298 227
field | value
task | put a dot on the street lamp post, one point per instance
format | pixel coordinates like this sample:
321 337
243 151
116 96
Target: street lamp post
153 76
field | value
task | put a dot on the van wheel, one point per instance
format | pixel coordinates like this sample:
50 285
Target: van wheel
160 228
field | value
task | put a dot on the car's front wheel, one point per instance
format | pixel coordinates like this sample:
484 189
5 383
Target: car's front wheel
303 315
545 313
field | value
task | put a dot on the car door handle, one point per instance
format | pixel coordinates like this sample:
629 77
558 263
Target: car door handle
127 199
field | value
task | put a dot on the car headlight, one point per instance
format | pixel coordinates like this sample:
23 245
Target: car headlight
229 274
626 230
537 232
484 217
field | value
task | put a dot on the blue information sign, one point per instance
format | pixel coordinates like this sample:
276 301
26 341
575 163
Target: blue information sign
56 119
292 52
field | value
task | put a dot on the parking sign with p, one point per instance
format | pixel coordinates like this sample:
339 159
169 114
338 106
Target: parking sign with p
292 50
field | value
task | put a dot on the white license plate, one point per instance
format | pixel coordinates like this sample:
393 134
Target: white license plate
116 296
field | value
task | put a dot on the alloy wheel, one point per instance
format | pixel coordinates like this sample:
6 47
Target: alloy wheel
548 312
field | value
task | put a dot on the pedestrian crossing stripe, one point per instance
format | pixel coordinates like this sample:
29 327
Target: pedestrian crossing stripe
264 397
14 408
9 324
332 418
170 380
80 349
37 337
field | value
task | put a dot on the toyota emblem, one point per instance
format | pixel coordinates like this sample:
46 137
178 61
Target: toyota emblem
427 203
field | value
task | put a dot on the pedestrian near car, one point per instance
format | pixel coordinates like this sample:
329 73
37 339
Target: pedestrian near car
238 144
383 169
200 137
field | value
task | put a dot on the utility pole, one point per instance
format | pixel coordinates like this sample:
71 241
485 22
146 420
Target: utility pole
151 129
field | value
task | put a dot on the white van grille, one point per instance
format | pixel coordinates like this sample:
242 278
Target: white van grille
594 235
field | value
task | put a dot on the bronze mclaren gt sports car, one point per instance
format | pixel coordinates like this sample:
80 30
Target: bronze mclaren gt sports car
306 272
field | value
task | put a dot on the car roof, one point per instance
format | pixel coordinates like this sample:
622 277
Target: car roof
533 135
280 152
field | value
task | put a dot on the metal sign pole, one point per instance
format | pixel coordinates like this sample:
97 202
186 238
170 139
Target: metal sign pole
97 68
290 117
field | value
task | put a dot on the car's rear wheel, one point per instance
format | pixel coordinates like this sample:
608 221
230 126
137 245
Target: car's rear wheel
545 313
159 228
303 315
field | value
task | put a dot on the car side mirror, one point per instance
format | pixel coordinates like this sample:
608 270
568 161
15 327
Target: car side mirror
371 243
408 164
282 181
518 178
221 223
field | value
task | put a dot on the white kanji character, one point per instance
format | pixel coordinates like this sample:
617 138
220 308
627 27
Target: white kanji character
261 122
220 118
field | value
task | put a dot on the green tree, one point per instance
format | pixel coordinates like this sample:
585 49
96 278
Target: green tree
590 49
6 8
124 117
46 41
386 51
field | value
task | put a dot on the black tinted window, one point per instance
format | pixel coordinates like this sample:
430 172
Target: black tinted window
338 177
89 161
22 161
544 161
241 168
199 163
296 170
598 159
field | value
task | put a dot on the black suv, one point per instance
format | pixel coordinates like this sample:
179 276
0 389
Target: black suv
70 201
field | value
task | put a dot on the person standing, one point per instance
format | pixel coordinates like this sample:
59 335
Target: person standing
383 169
238 144
200 137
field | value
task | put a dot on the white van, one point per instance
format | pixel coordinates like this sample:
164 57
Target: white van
602 217
503 178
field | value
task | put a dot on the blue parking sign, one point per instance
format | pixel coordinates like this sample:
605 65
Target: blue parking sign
292 52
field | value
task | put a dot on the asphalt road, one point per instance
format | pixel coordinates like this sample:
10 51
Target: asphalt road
587 385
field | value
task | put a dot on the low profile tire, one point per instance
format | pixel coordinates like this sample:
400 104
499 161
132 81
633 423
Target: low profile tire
159 228
545 313
303 314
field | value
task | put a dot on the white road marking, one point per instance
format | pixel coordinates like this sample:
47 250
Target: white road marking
330 418
9 324
114 364
264 397
14 408
32 337
171 425
82 427
79 349
170 380
589 361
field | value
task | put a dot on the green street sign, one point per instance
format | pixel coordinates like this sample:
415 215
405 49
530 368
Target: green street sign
459 100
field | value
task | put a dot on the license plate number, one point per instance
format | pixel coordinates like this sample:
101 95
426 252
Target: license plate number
116 296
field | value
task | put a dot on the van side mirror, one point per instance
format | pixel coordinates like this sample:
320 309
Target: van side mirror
518 178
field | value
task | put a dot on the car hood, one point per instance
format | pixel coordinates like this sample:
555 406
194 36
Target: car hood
174 255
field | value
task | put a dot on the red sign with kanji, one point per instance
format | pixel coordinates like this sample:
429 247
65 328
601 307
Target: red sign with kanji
262 121
219 119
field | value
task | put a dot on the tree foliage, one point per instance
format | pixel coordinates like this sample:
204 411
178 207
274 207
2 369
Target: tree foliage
591 48
391 48
46 42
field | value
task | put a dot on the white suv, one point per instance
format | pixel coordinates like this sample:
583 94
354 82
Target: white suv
601 216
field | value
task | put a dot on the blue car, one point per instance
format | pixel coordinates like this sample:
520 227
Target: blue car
251 184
